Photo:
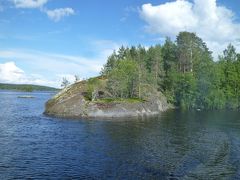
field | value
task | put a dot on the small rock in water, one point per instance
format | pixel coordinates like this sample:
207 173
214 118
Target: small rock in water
25 96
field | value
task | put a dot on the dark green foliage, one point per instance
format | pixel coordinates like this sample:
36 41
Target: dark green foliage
92 84
123 79
25 87
230 73
185 91
170 65
110 64
184 71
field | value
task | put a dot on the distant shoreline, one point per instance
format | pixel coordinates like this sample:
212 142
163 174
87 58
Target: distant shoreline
26 88
17 91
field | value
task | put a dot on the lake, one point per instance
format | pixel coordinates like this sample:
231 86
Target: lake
175 145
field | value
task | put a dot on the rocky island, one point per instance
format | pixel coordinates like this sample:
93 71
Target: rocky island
76 102
138 81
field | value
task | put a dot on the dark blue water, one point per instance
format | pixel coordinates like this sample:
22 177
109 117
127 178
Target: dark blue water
175 145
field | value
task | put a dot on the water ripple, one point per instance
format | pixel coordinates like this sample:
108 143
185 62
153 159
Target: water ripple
175 145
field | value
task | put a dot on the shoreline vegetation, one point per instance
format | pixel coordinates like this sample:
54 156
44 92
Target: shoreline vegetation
184 71
26 87
139 81
91 99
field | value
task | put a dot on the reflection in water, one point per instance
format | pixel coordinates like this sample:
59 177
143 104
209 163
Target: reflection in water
175 145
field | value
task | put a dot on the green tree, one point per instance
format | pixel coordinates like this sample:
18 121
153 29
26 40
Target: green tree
229 83
183 70
191 50
170 66
111 61
154 66
169 55
185 91
123 79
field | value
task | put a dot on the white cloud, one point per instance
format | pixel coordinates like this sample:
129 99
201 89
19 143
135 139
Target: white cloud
29 3
52 67
10 73
55 63
57 14
49 68
213 23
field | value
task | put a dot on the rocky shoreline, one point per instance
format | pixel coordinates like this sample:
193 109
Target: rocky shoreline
71 103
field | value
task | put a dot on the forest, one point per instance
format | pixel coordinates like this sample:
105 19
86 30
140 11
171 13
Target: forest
25 87
183 70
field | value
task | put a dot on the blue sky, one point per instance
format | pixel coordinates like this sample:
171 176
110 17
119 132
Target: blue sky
45 40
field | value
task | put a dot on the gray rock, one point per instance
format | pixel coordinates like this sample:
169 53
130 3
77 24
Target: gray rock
71 103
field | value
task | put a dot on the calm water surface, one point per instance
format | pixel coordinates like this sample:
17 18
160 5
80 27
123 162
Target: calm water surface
176 145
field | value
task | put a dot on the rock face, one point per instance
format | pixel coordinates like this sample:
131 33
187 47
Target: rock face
72 103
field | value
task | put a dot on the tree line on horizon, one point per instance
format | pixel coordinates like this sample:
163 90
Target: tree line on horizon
183 70
26 87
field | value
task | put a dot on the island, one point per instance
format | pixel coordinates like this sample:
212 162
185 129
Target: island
141 81
78 101
26 87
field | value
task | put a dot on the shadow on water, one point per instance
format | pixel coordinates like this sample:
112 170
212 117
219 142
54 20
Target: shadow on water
174 145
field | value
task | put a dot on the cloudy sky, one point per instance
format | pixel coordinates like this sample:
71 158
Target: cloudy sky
42 41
